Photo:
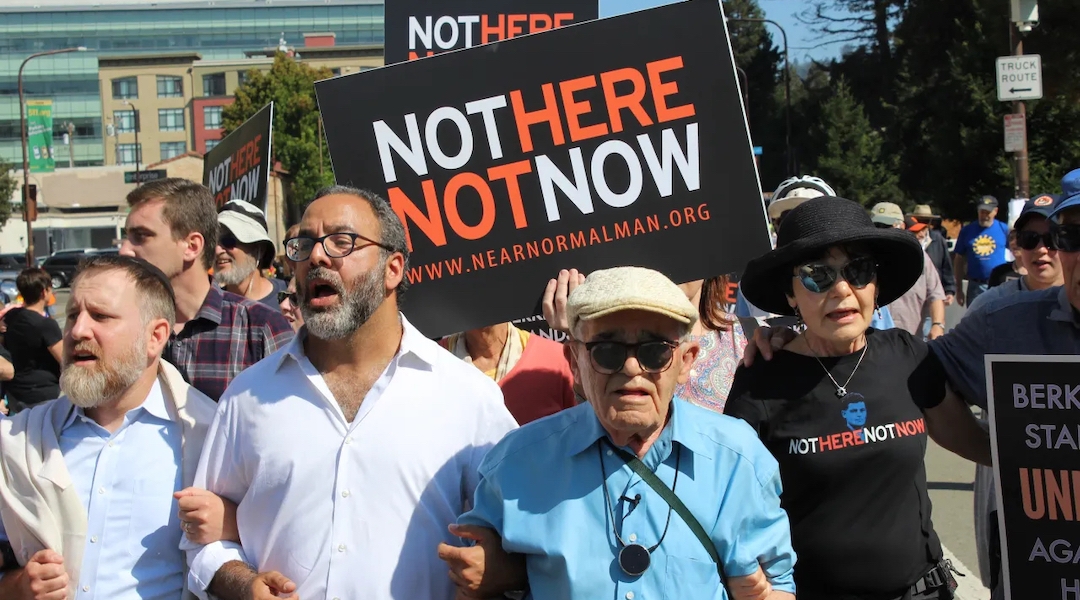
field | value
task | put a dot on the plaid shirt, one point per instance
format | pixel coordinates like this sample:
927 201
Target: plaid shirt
227 335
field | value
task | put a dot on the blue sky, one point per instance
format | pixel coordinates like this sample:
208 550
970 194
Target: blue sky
782 11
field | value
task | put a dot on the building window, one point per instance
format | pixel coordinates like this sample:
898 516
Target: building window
169 86
241 77
213 84
124 121
211 117
125 88
170 119
126 154
210 144
171 149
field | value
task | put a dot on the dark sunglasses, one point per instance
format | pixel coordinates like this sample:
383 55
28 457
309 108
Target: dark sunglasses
609 358
1030 240
283 296
1066 237
819 278
228 241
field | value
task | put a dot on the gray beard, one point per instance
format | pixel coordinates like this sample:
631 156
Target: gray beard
95 386
355 308
237 272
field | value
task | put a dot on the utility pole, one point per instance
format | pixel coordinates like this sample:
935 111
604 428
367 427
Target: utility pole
71 144
789 155
1020 158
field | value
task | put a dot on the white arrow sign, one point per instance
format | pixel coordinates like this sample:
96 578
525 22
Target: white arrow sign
1019 77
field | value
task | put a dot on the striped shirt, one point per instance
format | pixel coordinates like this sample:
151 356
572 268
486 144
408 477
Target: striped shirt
227 335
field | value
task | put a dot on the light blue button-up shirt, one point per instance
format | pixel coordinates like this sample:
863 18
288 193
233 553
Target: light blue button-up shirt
541 489
126 481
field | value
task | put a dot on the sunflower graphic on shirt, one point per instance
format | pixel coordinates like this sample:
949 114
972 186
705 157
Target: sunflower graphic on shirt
984 245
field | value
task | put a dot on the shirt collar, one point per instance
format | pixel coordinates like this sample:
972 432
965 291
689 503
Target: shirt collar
154 405
1064 311
679 429
413 343
211 306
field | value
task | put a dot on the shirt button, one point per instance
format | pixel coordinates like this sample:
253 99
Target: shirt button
348 440
341 548
629 595
111 444
101 490
93 540
609 452
345 494
633 537
86 588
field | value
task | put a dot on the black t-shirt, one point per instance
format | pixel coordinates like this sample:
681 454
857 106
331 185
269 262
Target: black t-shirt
852 469
37 374
1003 273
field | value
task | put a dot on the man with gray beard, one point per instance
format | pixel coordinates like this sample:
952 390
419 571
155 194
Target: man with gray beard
87 504
351 450
243 249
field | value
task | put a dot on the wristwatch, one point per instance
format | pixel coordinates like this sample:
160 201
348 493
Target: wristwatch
941 325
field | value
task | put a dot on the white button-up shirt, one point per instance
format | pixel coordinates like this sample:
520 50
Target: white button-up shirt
126 482
350 510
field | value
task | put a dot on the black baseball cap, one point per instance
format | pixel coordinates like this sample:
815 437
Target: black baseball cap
1042 204
988 203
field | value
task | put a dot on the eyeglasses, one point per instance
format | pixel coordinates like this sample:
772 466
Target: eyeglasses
1030 240
282 296
228 241
1066 237
609 358
820 278
335 245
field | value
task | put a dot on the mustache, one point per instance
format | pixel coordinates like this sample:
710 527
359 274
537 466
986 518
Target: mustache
82 348
330 277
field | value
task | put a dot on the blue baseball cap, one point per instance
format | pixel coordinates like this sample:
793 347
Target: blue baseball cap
1070 192
1040 204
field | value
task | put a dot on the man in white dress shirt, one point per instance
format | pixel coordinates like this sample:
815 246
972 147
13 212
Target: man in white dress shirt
350 451
87 501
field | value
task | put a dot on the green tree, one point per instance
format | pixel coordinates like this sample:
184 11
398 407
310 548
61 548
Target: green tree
851 159
8 185
290 84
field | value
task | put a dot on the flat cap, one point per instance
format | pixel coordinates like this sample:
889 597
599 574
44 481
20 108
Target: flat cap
628 288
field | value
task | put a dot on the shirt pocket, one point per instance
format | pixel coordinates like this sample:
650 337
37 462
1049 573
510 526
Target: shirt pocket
690 578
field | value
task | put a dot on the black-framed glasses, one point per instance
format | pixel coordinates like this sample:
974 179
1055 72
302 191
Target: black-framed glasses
1066 237
608 357
819 277
228 241
1030 240
335 245
282 296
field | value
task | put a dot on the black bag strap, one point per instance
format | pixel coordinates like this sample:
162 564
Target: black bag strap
673 501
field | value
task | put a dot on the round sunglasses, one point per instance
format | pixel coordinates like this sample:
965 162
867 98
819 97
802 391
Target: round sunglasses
609 357
820 277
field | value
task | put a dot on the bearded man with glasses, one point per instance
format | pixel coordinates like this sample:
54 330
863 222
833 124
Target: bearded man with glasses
635 493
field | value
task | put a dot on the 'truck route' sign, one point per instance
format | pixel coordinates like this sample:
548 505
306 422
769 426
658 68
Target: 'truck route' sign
238 168
418 28
1035 434
614 142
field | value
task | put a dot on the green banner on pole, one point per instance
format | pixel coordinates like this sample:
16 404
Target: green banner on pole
39 127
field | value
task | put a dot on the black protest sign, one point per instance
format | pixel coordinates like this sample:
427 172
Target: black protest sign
418 28
613 142
1035 433
238 168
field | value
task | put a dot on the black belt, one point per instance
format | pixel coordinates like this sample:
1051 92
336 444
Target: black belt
936 578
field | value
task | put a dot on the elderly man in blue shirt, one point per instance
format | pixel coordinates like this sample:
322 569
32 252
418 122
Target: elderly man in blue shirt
571 493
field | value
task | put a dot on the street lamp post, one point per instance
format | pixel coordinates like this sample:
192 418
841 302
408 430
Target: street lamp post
135 123
788 162
26 156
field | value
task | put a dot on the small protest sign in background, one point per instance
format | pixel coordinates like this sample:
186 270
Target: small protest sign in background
418 28
1035 435
39 134
238 168
620 141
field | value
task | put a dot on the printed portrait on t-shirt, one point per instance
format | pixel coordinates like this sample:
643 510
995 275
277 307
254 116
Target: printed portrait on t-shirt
855 413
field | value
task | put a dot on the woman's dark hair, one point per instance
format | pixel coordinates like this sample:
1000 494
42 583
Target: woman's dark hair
33 283
711 306
852 250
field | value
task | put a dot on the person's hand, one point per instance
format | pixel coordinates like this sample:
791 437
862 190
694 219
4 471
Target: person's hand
765 342
484 570
754 586
271 585
949 299
555 295
206 517
44 577
960 297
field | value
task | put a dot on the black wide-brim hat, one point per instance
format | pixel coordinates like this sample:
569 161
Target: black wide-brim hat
817 225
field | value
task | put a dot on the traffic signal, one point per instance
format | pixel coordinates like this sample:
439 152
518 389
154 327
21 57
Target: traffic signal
30 201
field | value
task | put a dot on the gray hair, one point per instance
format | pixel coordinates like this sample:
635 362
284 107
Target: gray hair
391 230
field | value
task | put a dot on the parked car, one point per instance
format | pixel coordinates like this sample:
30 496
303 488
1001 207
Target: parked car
61 265
12 262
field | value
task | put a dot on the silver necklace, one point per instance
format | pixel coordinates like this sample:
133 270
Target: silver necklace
841 390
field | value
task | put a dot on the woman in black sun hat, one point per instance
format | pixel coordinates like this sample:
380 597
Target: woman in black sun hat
846 409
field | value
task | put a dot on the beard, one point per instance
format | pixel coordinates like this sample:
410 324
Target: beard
91 387
240 269
354 309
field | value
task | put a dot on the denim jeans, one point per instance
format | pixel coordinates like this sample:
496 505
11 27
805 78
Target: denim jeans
974 290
